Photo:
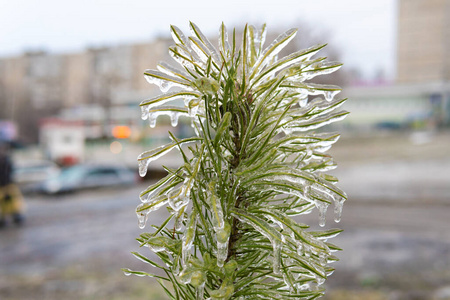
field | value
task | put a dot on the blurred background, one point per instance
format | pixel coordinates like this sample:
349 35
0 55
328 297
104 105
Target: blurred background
71 79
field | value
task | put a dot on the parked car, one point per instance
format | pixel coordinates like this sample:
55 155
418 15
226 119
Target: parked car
86 176
30 174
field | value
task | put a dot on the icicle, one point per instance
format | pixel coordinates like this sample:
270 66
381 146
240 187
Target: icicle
144 209
143 165
142 219
147 157
322 207
338 205
144 111
152 119
223 236
174 119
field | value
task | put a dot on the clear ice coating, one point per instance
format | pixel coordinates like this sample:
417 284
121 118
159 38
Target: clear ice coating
224 46
298 177
164 81
148 156
223 236
276 258
322 207
188 238
273 49
222 253
200 291
338 205
178 198
144 209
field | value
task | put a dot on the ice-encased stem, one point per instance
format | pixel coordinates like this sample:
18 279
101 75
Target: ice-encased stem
188 238
276 259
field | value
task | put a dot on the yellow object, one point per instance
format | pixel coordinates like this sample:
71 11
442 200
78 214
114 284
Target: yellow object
11 200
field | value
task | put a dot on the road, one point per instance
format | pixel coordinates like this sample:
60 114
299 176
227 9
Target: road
62 230
396 224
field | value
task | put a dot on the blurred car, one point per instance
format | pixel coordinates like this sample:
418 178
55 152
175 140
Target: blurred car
86 176
30 174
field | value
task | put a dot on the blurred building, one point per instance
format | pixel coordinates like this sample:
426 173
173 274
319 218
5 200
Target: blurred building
100 86
423 45
419 97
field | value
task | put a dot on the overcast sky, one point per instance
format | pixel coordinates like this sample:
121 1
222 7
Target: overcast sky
363 31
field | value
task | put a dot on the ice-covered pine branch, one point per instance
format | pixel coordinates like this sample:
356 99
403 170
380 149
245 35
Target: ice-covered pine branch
254 166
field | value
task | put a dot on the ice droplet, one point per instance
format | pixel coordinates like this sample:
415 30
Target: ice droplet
152 120
174 119
338 205
143 165
329 95
144 209
145 158
144 111
142 219
223 236
322 207
222 253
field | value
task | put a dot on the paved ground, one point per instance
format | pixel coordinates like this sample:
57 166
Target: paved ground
396 237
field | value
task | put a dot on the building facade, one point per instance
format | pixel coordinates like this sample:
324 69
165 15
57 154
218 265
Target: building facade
423 45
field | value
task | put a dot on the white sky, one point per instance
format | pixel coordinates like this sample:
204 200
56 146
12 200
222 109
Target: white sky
363 31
